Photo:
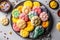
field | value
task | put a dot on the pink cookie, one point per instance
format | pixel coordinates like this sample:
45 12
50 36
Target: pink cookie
24 17
15 27
43 16
37 10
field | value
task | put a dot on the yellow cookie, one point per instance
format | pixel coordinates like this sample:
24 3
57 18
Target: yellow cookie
53 4
45 24
14 20
21 23
29 27
36 4
58 26
20 8
28 3
24 33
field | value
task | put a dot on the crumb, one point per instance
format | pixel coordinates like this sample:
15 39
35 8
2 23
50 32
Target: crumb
4 36
10 33
7 38
4 33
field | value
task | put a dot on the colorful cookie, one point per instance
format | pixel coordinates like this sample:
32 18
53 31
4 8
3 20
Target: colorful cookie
37 4
35 21
21 23
45 24
37 10
20 8
44 16
5 6
4 21
58 26
26 9
32 14
29 27
14 20
15 13
24 33
24 17
15 27
28 3
38 31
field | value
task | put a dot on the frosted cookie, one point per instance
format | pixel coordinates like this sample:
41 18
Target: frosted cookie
32 14
28 3
24 33
58 26
5 6
24 17
35 21
38 31
44 16
29 27
20 8
15 13
26 9
15 27
4 21
21 23
45 24
37 10
37 4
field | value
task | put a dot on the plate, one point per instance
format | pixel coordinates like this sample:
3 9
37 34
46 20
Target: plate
47 30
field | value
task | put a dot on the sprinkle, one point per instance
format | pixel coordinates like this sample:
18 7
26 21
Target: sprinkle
7 38
4 36
4 33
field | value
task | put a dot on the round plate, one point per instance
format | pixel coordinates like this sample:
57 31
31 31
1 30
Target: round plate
47 30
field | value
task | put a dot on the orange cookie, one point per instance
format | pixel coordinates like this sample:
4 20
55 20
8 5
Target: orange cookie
45 24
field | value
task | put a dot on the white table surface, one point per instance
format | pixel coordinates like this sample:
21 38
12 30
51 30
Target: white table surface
6 29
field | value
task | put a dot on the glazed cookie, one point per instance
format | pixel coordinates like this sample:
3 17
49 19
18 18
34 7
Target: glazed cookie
28 3
44 16
32 14
15 27
20 8
5 6
38 31
24 33
58 26
35 21
14 20
29 27
21 23
24 17
26 9
45 24
4 21
37 4
15 13
37 10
